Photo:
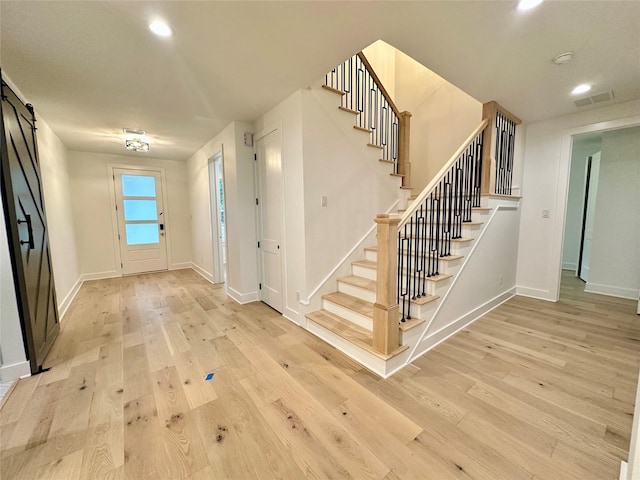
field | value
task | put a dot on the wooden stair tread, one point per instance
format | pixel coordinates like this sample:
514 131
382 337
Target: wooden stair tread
453 240
352 303
334 90
348 110
386 161
406 188
357 335
451 258
448 258
366 264
397 175
375 146
425 299
362 129
409 324
359 282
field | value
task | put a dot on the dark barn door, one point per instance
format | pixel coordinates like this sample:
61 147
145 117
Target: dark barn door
27 228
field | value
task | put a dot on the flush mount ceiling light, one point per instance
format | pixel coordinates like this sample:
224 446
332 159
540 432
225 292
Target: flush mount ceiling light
136 145
562 58
582 88
528 4
160 28
135 140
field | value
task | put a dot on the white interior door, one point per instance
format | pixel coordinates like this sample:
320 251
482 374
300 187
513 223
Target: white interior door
141 220
218 227
591 189
269 163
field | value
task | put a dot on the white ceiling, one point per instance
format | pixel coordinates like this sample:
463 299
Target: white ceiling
91 67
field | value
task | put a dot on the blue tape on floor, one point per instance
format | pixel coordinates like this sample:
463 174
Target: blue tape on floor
209 377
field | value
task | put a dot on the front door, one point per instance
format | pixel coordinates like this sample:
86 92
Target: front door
141 220
269 162
27 228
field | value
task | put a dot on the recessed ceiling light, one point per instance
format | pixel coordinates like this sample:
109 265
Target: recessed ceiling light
160 28
528 4
582 88
562 58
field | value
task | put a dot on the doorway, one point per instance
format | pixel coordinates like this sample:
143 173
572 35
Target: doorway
592 172
612 255
270 218
218 217
141 220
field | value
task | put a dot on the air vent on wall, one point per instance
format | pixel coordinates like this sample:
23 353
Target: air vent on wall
595 98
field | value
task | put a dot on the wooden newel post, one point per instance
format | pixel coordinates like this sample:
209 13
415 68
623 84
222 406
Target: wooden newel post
385 310
404 163
489 112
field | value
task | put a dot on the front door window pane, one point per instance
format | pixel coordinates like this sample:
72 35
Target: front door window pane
140 210
142 233
138 186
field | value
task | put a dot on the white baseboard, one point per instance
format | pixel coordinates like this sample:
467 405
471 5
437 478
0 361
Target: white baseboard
181 265
202 272
454 327
569 266
623 470
8 373
100 275
243 298
292 315
612 291
66 302
535 293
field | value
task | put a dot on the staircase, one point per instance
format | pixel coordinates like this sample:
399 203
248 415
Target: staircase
346 317
380 312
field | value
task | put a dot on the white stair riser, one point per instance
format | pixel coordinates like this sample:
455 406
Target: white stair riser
364 272
411 336
348 314
358 292
371 255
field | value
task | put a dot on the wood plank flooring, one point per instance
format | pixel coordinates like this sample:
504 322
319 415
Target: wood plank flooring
534 390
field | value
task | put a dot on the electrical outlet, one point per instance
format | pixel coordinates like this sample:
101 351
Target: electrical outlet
297 296
323 200
500 280
545 213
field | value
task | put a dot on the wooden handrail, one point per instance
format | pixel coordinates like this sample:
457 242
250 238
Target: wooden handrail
434 181
369 68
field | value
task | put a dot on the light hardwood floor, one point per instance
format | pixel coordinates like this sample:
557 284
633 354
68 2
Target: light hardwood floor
534 390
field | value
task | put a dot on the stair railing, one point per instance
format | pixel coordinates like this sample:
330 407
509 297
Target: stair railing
364 93
410 246
497 178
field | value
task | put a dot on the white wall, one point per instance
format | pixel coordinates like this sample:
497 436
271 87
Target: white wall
56 187
91 183
582 148
338 164
545 181
615 251
13 358
242 273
